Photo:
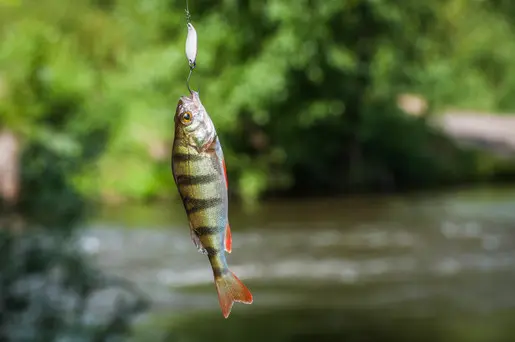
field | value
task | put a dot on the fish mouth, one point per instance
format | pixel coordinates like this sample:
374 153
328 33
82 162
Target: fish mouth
184 99
195 96
192 98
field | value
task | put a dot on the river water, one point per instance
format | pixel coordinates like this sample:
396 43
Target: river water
423 267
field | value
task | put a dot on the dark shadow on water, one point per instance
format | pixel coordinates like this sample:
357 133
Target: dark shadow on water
332 325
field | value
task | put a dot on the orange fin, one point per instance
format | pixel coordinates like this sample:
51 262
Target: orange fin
228 239
217 149
225 174
231 289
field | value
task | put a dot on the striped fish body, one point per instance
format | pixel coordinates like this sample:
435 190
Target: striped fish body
199 172
201 183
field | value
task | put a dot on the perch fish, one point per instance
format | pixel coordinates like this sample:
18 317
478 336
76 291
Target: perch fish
199 172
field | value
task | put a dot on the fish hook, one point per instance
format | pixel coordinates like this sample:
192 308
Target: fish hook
188 81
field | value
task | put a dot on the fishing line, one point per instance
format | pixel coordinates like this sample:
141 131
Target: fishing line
188 15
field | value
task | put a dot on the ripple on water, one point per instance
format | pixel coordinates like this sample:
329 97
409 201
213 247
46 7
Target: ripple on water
423 247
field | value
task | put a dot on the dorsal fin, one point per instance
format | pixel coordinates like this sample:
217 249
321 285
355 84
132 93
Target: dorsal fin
228 239
216 148
225 173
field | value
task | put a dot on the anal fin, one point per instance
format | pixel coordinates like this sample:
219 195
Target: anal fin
228 239
197 243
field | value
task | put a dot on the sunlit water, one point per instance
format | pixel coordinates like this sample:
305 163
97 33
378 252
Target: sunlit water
422 253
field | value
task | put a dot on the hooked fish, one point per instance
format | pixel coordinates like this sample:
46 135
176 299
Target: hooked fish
199 172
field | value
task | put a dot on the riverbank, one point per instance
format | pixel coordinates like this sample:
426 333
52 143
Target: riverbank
493 133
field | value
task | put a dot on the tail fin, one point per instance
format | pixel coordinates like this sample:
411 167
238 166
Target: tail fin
231 289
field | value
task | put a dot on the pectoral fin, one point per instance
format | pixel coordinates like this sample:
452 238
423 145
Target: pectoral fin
196 242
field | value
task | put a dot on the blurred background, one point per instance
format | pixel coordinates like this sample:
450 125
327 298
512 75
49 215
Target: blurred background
370 149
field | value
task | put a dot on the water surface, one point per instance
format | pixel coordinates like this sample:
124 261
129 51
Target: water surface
422 259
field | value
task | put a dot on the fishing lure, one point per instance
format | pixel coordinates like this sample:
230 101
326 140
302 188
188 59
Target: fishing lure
191 46
199 172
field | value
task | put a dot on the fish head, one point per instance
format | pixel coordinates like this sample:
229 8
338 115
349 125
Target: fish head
193 123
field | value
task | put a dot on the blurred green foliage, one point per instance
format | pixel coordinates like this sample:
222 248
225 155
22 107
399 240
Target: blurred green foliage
302 91
48 285
47 288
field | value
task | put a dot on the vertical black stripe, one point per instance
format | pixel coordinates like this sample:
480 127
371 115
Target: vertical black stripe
205 230
196 180
218 271
182 157
211 251
194 205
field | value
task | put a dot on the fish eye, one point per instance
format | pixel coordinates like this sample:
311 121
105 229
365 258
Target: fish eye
186 118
